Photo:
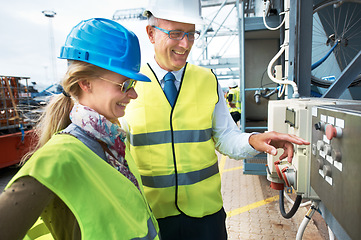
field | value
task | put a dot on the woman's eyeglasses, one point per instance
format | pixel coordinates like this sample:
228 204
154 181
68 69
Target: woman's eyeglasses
125 86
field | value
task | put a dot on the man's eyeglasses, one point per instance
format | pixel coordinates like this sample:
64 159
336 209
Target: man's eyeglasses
125 86
179 35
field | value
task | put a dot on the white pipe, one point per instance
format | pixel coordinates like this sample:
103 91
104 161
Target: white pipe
306 220
270 75
331 235
266 6
302 228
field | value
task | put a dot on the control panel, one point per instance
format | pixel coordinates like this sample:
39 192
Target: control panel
293 116
336 163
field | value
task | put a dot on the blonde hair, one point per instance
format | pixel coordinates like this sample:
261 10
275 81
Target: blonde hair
56 114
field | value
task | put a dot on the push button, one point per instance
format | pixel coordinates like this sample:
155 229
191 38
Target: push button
336 155
332 132
327 171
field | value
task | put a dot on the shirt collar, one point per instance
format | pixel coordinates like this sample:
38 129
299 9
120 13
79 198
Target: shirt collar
160 72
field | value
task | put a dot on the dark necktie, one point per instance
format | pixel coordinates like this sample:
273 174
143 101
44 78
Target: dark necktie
169 88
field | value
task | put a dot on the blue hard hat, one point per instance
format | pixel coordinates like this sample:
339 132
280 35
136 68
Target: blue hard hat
106 44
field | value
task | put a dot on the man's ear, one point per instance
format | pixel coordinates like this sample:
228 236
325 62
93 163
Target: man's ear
85 85
150 32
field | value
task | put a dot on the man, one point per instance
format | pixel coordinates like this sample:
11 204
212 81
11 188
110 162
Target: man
173 138
234 101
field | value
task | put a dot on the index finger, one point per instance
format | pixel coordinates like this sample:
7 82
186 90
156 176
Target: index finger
294 139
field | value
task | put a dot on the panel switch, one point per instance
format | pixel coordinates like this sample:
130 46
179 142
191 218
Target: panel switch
320 163
332 132
336 155
327 171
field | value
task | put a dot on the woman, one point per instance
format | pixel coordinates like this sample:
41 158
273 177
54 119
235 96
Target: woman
79 178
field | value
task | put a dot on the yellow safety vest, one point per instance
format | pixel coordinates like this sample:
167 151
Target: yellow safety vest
235 100
173 147
83 180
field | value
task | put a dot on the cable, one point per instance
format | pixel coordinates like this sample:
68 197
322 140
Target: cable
283 47
331 235
281 91
319 62
269 71
305 204
326 84
265 12
262 77
294 207
308 216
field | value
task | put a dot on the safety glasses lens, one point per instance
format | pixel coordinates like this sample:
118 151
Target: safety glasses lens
128 84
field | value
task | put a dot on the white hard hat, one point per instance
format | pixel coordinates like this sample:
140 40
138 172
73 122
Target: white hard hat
185 11
232 83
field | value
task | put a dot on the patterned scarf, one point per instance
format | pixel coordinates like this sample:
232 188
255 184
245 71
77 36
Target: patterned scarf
100 128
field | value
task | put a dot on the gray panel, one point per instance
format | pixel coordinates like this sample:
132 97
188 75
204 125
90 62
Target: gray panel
340 159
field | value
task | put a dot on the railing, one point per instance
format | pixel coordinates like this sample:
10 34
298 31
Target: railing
15 107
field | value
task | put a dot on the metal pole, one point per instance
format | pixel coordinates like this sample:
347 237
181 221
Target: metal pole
240 16
51 15
304 46
345 79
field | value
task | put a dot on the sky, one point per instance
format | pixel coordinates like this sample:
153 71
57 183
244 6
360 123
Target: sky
25 34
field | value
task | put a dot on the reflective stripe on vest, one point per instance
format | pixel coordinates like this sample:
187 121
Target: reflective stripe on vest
183 178
166 137
38 231
173 147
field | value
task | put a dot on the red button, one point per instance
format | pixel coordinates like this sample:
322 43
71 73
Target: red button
331 132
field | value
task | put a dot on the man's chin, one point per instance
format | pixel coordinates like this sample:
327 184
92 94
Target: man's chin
179 64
